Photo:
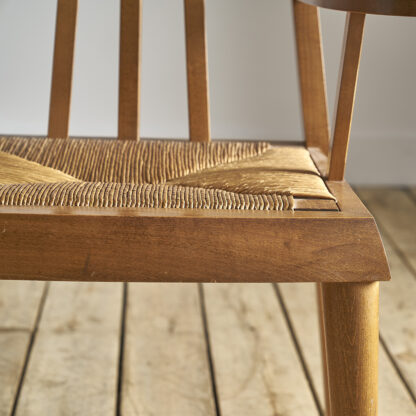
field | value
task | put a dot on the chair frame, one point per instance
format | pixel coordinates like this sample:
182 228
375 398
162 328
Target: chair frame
337 247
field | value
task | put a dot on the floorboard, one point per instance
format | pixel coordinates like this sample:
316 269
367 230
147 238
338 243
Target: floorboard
395 211
165 369
73 364
19 305
256 367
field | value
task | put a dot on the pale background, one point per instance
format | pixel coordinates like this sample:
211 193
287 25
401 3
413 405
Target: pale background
253 79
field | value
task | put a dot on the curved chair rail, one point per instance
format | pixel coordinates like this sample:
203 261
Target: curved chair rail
385 7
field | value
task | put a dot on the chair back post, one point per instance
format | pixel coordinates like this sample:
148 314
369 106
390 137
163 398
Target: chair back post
197 71
63 58
311 76
348 75
129 70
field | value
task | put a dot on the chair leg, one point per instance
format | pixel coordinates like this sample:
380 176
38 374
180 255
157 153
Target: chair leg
351 332
323 348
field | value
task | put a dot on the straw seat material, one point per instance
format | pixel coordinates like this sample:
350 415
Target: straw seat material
207 211
156 174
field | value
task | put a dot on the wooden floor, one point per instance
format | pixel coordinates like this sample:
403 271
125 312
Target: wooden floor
189 350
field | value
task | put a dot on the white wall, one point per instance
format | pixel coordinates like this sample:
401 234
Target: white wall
253 79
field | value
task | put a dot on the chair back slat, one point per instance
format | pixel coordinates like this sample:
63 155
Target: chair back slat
311 76
129 70
60 101
197 72
347 84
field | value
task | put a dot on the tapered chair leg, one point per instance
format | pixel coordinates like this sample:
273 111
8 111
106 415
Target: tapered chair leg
351 332
323 348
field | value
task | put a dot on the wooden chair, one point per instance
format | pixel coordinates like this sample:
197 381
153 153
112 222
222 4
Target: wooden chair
208 212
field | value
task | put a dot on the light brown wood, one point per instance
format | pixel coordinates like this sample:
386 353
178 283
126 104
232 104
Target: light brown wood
187 245
63 58
320 160
19 304
301 204
256 367
324 361
165 369
300 302
351 332
386 7
197 71
347 200
350 61
311 76
129 70
75 353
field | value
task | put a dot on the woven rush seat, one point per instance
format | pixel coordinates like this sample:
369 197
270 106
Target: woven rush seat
159 174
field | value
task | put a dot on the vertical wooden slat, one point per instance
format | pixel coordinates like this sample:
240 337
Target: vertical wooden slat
311 75
323 348
60 101
197 72
129 72
350 62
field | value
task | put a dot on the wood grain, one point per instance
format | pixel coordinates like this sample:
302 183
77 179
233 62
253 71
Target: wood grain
300 302
73 365
352 346
300 246
197 71
347 200
165 368
350 61
129 70
324 361
311 76
19 303
256 367
301 204
63 58
386 7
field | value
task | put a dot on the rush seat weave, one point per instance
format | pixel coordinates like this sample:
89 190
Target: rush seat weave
150 173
